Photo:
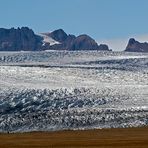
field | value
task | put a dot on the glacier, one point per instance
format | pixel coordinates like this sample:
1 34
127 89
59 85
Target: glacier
62 90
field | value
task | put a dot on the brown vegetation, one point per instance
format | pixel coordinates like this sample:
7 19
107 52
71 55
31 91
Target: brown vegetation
106 138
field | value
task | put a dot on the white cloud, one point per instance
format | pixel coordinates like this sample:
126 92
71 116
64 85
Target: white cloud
121 43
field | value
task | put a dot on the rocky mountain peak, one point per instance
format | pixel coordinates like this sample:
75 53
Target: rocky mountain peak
25 39
58 35
84 42
19 39
135 46
132 41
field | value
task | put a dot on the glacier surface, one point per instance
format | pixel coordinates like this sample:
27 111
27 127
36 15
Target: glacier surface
56 90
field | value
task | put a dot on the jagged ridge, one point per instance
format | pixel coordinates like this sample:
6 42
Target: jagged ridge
25 39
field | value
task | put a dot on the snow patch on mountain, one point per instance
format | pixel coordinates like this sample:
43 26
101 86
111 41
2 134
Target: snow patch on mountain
47 39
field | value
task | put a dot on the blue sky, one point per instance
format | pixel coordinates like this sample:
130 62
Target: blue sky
110 21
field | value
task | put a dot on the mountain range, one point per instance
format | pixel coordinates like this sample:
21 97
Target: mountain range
24 39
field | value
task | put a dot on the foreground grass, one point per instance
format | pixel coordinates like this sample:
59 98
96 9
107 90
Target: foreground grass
106 138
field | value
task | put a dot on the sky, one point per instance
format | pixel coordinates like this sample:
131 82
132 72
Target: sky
107 21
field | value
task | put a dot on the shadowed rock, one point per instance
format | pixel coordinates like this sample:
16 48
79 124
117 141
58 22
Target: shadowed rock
58 35
19 39
26 40
82 42
135 46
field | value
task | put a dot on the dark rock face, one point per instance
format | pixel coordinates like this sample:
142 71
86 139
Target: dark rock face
19 39
25 39
82 42
103 47
135 46
58 35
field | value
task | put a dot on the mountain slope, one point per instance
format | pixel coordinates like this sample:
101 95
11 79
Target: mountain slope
135 46
24 39
71 42
19 39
